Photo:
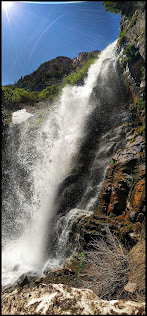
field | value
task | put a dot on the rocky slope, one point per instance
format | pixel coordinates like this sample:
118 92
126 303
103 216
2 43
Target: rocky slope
59 299
52 72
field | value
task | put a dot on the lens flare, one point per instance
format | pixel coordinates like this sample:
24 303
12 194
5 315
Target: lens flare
6 5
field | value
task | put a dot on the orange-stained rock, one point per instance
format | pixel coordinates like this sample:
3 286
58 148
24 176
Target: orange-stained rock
138 197
142 170
124 186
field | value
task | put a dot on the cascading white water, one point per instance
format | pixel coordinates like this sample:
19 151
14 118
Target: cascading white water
47 156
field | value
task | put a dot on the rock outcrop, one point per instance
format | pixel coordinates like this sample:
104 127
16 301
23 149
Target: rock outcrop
59 299
84 56
134 27
123 191
124 187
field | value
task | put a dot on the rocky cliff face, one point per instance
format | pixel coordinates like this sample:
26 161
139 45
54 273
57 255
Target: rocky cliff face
121 203
123 191
134 28
84 56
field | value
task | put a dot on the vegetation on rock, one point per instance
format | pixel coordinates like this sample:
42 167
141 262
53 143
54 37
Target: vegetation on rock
78 76
123 7
132 54
48 74
45 84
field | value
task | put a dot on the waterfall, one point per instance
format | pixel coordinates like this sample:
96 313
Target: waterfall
54 164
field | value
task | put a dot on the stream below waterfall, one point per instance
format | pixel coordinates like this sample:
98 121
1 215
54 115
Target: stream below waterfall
54 163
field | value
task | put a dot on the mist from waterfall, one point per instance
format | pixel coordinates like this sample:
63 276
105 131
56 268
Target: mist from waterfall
40 160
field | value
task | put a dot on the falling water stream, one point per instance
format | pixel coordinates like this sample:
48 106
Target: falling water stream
54 164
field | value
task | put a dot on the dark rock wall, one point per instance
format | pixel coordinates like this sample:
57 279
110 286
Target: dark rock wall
121 202
123 191
135 26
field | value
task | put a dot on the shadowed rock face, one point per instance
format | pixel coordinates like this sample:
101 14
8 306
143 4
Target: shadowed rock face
59 299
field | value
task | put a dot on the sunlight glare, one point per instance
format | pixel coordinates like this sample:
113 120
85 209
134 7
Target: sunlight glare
6 4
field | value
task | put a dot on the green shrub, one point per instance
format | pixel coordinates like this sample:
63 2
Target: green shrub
143 73
6 117
112 162
132 54
123 7
79 74
138 111
141 103
141 130
113 6
50 92
111 214
82 260
14 98
121 37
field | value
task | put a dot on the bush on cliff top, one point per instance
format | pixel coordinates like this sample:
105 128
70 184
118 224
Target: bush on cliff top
123 7
14 98
79 74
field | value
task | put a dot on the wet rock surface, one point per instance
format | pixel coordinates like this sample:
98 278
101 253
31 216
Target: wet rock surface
26 279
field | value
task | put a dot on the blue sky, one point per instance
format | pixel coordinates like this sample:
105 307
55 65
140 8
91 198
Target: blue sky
33 33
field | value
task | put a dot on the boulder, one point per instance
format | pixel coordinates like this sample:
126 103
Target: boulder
130 287
23 280
64 275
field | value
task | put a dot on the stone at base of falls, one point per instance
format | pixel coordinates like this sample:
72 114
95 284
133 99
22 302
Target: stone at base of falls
59 272
59 299
63 275
24 279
